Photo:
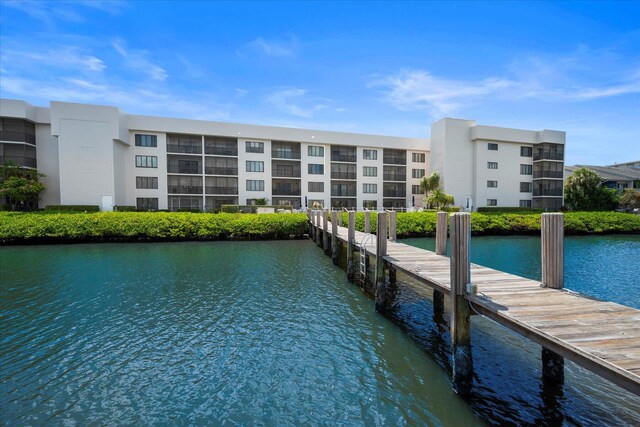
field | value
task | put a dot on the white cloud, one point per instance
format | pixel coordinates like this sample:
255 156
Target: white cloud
66 57
49 13
581 75
276 48
137 60
290 100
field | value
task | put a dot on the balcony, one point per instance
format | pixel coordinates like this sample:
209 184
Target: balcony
351 158
184 189
214 170
556 192
221 151
343 175
285 169
221 190
284 153
19 161
184 148
189 169
394 157
548 174
394 177
285 188
548 155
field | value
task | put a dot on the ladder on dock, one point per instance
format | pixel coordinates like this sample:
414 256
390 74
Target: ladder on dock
363 260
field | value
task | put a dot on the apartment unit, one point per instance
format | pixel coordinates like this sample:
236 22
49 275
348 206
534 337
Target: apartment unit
498 167
99 155
618 177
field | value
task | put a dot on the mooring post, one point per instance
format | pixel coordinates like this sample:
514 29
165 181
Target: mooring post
392 226
441 249
326 242
460 319
367 222
310 219
340 218
334 237
318 229
351 237
381 251
552 252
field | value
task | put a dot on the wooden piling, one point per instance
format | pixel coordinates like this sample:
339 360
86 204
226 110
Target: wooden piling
552 253
381 251
392 226
326 240
460 316
340 218
318 229
351 238
441 249
367 222
310 219
334 237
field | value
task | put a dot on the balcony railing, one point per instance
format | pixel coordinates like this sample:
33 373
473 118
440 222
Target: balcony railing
394 193
184 189
394 160
394 177
183 169
215 170
285 154
221 190
19 161
277 191
343 175
17 137
335 157
343 193
286 173
548 155
187 149
221 151
548 174
547 192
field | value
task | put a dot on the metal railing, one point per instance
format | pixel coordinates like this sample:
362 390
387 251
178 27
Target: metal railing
351 158
185 149
183 169
547 192
221 151
221 190
548 155
184 189
19 161
548 174
343 175
214 170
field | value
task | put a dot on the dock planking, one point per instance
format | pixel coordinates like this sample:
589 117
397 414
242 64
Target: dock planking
602 336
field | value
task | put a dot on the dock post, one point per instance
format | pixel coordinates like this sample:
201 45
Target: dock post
334 237
367 222
351 237
340 218
441 249
326 243
552 253
460 320
392 226
318 229
381 251
310 219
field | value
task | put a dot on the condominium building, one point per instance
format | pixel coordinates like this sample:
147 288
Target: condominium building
99 155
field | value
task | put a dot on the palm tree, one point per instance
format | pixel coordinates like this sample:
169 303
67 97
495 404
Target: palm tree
430 183
439 198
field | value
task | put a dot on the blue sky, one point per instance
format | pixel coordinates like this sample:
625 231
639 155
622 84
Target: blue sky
384 68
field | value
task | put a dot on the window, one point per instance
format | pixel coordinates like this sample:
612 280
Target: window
492 184
418 157
146 161
146 140
526 187
415 189
370 188
370 154
525 203
316 187
369 171
315 151
492 202
492 147
144 182
526 151
254 147
526 169
492 165
148 203
253 166
316 169
255 185
417 173
370 204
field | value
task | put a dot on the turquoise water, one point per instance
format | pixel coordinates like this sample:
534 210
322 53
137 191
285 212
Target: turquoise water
268 333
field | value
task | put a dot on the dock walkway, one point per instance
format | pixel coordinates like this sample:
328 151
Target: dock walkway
601 336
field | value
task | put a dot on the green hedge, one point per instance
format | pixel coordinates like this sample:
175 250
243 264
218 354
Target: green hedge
414 224
17 227
490 210
73 208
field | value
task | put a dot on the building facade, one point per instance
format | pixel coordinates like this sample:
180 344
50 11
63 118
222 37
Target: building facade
99 155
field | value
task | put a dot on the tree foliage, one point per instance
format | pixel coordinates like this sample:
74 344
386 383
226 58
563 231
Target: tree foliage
20 186
630 199
583 191
434 195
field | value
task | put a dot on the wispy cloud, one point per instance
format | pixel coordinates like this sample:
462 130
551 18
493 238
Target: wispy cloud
48 13
579 76
275 48
138 60
292 101
62 57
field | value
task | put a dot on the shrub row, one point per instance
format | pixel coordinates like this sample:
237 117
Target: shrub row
414 224
73 208
17 227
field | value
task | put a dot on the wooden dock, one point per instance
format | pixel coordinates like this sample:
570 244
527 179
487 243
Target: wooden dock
603 337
